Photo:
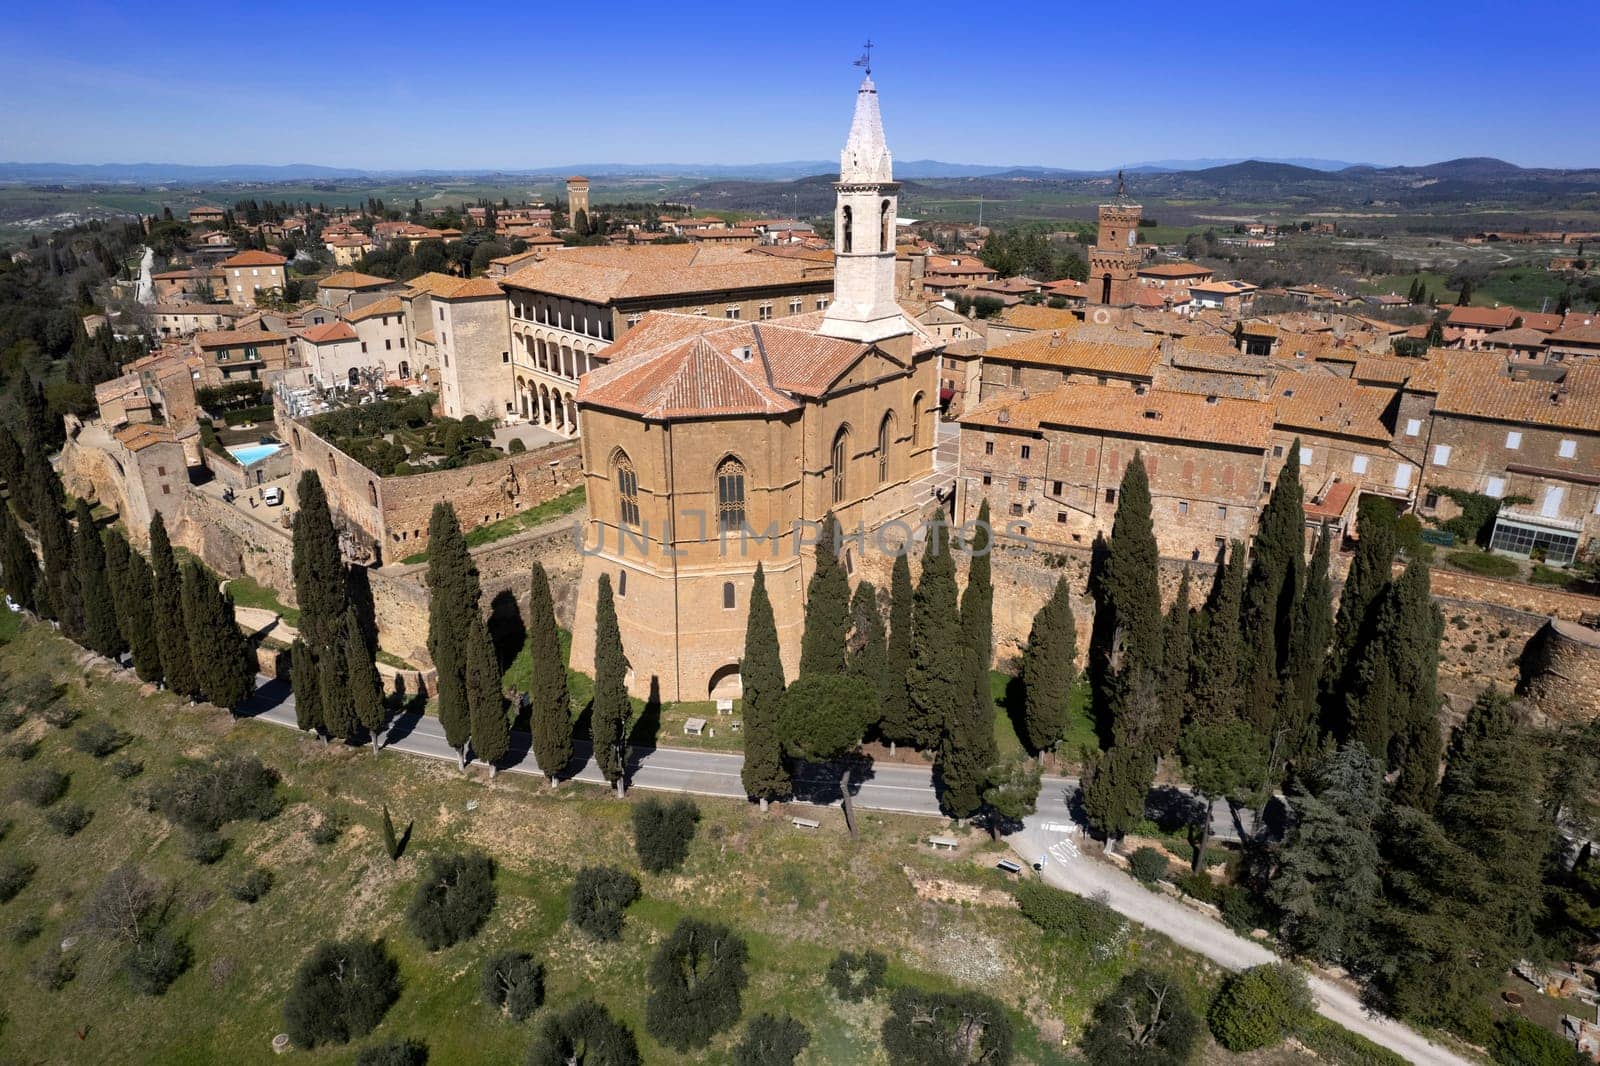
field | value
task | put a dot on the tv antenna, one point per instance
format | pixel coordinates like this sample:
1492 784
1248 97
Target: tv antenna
865 61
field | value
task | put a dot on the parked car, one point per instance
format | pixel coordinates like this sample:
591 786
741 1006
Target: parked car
273 496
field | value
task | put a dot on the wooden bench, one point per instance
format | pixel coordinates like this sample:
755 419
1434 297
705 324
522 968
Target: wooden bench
1008 866
806 823
949 843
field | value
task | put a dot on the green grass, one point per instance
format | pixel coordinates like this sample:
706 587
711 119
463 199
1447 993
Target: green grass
796 897
1484 564
247 592
1524 285
566 503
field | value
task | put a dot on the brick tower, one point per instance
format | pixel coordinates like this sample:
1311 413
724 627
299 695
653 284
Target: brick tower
577 199
1114 259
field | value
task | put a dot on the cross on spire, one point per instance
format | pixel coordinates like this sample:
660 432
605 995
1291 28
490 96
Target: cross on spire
1122 186
866 57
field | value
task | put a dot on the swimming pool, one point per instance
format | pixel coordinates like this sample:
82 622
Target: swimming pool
253 453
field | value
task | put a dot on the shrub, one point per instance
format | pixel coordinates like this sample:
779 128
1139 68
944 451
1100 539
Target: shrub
36 692
341 992
1519 1042
516 447
1242 910
14 877
99 739
512 981
40 787
771 1040
398 1051
54 970
934 1028
125 906
328 829
60 714
1483 564
599 896
204 848
21 749
11 719
588 1026
68 818
855 976
155 962
453 900
1199 886
127 769
1148 865
205 796
25 929
1259 1007
696 978
1085 920
1145 1021
662 831
251 885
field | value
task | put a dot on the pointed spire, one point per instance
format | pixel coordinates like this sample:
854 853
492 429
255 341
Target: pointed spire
865 158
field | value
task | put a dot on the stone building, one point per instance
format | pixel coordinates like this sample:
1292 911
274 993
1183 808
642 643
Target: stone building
568 305
577 199
1051 464
249 273
701 435
228 356
1041 361
459 327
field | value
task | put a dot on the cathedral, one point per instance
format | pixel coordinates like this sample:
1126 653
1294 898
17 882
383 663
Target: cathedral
712 445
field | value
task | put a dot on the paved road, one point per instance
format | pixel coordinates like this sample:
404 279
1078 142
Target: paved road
909 790
1068 869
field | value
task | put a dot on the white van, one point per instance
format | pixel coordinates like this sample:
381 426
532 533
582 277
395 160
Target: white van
273 496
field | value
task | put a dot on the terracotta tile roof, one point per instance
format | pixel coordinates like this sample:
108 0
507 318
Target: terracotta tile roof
1331 405
1573 404
352 279
1524 337
1332 503
1155 299
329 332
1067 287
448 287
428 337
1038 316
1256 328
1118 411
226 337
1441 364
1380 370
178 275
136 438
1539 320
1482 317
1174 270
388 305
605 275
1577 335
1070 353
1222 288
254 259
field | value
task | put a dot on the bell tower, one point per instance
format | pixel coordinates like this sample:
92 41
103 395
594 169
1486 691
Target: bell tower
867 201
1114 259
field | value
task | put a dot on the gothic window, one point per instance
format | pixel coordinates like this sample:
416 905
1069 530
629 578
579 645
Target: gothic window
730 495
372 493
916 419
841 457
885 228
885 435
627 482
1105 289
727 596
847 227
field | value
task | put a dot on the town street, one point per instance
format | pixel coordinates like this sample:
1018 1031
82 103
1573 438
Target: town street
1048 834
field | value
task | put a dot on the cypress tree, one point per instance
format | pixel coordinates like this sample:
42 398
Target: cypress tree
1308 644
62 600
898 722
333 683
13 469
319 572
17 562
1129 592
491 731
940 678
866 653
967 746
1359 605
172 636
611 709
827 623
1177 651
361 676
1114 792
451 584
138 619
223 663
99 609
306 680
765 774
1277 569
550 706
1049 670
1214 670
118 560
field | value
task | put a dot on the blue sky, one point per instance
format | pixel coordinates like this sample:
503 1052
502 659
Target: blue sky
407 84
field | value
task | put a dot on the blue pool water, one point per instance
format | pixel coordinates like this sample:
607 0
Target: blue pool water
252 453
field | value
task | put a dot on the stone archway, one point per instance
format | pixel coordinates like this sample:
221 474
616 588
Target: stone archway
725 683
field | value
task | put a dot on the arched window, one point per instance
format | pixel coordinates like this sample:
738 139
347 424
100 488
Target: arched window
730 496
916 420
841 459
372 493
627 482
848 225
1105 289
885 228
355 377
727 596
885 437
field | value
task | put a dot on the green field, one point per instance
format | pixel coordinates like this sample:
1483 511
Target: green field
1523 285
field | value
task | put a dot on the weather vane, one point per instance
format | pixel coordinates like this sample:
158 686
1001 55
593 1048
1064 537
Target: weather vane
866 57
